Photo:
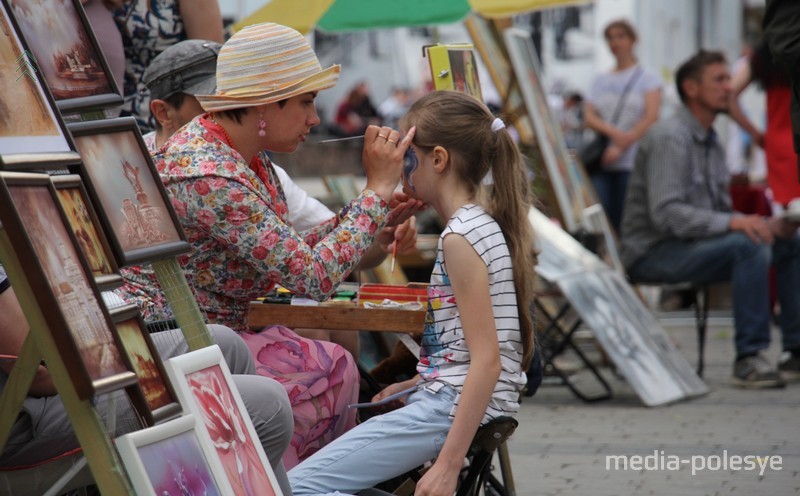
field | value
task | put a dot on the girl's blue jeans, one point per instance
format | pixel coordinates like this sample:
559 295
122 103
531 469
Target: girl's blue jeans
381 448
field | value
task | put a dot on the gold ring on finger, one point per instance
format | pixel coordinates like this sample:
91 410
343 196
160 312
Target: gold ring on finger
391 141
384 137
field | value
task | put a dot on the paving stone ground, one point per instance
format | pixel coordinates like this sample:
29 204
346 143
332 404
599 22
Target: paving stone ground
561 445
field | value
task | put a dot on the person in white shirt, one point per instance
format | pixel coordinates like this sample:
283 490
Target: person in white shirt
622 104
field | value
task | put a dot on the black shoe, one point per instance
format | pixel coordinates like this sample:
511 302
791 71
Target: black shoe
756 372
790 367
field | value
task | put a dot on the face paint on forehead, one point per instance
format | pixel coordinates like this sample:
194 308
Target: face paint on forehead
410 164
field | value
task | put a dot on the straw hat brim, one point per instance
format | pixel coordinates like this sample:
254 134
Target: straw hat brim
322 80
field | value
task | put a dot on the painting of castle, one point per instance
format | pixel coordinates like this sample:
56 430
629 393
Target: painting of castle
128 191
150 378
77 301
63 49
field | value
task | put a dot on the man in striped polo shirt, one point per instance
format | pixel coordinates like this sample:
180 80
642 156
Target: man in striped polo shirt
678 225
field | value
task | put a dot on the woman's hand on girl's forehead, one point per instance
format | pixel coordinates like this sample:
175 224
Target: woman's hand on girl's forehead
409 136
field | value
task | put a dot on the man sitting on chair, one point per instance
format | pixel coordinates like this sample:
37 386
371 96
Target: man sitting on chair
678 225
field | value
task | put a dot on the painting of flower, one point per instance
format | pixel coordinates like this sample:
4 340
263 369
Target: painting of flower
233 441
177 466
173 458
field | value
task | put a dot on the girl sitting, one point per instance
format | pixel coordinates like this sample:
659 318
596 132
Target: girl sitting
478 336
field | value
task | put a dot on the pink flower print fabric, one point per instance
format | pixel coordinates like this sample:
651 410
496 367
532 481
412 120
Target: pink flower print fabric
321 379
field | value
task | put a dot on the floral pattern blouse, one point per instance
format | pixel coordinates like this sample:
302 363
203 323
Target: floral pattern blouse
234 218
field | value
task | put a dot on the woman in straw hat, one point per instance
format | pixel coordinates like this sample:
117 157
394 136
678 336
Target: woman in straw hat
233 210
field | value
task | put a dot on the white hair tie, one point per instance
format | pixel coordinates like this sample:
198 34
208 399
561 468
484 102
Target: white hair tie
498 124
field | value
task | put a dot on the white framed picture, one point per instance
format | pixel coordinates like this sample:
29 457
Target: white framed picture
175 457
572 188
204 386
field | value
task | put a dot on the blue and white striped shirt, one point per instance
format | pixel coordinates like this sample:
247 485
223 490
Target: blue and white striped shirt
444 357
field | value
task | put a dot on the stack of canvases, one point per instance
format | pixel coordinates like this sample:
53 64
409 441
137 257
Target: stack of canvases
76 204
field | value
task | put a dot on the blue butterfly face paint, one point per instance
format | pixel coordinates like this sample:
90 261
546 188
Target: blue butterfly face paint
411 162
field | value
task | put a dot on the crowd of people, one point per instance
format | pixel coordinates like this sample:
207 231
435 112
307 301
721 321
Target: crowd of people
213 111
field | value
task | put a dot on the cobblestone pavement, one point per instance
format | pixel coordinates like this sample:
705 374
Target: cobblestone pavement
561 445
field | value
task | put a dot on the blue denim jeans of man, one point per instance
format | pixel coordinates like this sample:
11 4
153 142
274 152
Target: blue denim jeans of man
736 258
381 448
611 187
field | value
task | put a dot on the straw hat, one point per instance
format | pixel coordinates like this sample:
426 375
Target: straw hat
266 63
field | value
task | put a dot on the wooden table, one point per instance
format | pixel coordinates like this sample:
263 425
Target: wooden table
341 317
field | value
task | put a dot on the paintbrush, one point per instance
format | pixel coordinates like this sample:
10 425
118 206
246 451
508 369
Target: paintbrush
340 139
394 255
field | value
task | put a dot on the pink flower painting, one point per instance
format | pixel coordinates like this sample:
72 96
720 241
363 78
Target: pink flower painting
177 466
228 432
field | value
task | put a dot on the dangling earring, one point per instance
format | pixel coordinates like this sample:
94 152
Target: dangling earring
262 125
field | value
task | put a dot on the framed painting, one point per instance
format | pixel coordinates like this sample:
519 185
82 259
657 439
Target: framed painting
205 388
160 400
453 68
66 54
32 134
124 185
61 280
571 186
86 227
175 457
631 336
488 40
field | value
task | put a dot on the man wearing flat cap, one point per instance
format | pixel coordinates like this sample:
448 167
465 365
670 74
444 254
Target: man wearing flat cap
174 78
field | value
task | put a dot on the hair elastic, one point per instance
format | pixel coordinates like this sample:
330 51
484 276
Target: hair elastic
498 124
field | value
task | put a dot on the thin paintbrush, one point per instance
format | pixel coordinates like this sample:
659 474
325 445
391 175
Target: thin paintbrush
340 139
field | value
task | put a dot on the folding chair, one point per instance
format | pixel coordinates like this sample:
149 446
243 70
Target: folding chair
594 216
700 299
555 340
490 438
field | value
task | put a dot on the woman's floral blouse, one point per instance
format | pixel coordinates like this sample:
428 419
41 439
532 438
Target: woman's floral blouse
233 216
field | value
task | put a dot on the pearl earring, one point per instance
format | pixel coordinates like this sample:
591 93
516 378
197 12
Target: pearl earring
262 125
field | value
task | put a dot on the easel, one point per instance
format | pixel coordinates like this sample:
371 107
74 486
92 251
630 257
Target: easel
86 422
89 428
176 288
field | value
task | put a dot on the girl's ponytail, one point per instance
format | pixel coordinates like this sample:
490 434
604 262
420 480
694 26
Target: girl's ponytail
509 202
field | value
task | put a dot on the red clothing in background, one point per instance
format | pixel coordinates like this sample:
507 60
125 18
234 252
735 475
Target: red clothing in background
782 176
